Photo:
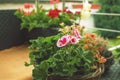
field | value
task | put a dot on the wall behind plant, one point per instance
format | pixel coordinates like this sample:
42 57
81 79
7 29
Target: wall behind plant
108 22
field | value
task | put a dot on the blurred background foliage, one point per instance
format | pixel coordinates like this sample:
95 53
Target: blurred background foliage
106 21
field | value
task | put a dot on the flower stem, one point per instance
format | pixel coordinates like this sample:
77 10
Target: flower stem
36 4
63 4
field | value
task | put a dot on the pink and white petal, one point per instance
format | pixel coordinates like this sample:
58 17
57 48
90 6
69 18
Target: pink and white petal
74 40
76 33
63 41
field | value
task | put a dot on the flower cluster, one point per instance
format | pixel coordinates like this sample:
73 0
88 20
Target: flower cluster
54 13
100 58
89 41
27 9
32 17
69 39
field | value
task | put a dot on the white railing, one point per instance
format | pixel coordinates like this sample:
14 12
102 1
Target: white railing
109 14
110 30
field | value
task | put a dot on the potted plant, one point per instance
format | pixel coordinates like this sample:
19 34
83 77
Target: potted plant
34 18
72 54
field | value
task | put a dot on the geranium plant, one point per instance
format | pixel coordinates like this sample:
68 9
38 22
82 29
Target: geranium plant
65 54
32 17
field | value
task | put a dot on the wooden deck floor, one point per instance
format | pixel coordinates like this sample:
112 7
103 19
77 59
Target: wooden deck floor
12 64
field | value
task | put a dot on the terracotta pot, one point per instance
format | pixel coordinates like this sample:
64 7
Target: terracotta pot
80 6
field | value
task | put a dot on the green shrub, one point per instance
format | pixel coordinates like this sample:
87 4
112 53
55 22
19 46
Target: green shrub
108 22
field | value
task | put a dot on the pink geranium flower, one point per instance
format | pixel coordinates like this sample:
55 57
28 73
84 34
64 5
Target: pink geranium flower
76 33
74 40
63 41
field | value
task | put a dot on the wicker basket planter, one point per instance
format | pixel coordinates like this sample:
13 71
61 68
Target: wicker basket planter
110 60
33 34
10 33
53 60
92 76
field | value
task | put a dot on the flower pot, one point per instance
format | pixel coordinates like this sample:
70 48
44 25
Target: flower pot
38 32
33 34
110 60
95 75
91 76
49 31
80 6
10 33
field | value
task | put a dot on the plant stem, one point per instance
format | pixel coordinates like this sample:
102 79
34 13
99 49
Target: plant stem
36 4
63 4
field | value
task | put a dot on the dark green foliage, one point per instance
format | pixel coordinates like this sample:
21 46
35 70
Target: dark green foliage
108 22
48 59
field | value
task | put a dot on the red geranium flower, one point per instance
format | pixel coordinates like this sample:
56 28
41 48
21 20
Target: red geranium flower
54 1
28 5
54 13
69 12
64 10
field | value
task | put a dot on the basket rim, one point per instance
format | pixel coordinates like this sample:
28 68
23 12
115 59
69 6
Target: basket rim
98 72
110 56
